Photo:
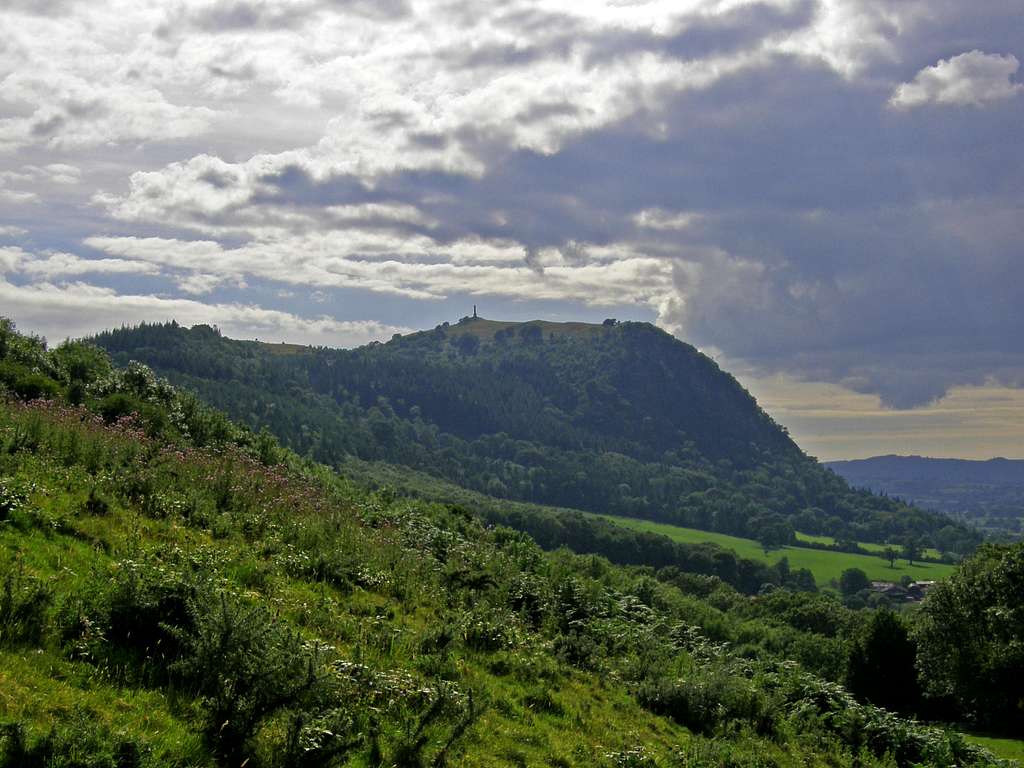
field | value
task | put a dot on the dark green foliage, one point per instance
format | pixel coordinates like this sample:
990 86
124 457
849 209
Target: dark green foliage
852 581
243 665
117 405
128 624
971 638
710 701
295 619
619 418
880 666
12 498
24 603
95 504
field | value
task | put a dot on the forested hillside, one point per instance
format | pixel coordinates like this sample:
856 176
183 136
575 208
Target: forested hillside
180 591
619 418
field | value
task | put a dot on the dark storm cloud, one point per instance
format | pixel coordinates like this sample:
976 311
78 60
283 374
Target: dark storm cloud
855 242
806 219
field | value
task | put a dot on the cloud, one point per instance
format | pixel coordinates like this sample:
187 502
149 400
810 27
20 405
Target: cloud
970 79
80 309
11 259
68 265
750 172
413 267
17 197
69 111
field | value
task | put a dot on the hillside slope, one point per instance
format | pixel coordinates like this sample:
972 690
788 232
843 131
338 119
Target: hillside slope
621 419
179 591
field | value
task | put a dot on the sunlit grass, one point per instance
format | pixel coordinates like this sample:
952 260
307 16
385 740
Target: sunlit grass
824 564
928 552
1008 749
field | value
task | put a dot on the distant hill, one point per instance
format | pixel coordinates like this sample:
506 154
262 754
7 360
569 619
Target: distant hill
989 494
618 418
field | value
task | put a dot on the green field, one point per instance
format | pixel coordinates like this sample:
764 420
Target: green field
1008 749
869 546
825 565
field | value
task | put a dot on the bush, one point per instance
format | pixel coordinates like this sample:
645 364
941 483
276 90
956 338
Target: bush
244 666
34 386
23 605
709 701
126 623
95 505
489 630
114 406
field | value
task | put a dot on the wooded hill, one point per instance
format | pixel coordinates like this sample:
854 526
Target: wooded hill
619 418
176 590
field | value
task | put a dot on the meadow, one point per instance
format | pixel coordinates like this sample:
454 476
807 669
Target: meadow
824 564
1007 749
929 552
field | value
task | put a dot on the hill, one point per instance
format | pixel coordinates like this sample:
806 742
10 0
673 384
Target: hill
179 591
988 494
620 418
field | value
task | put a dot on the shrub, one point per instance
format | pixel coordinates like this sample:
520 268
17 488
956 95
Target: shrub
125 623
709 701
34 385
23 605
490 630
243 665
116 405
95 505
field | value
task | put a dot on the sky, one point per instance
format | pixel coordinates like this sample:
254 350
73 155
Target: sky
827 196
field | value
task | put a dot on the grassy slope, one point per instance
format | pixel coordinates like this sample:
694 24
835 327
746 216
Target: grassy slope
823 564
71 552
191 516
869 546
1008 749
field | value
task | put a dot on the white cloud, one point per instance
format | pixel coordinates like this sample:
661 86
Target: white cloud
81 309
660 153
70 112
970 79
55 265
11 259
658 218
53 173
414 266
198 283
18 197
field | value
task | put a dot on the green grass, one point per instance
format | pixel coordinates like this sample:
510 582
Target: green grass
825 565
1008 749
869 546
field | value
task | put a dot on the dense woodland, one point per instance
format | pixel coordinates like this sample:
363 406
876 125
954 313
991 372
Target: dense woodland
180 590
620 418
